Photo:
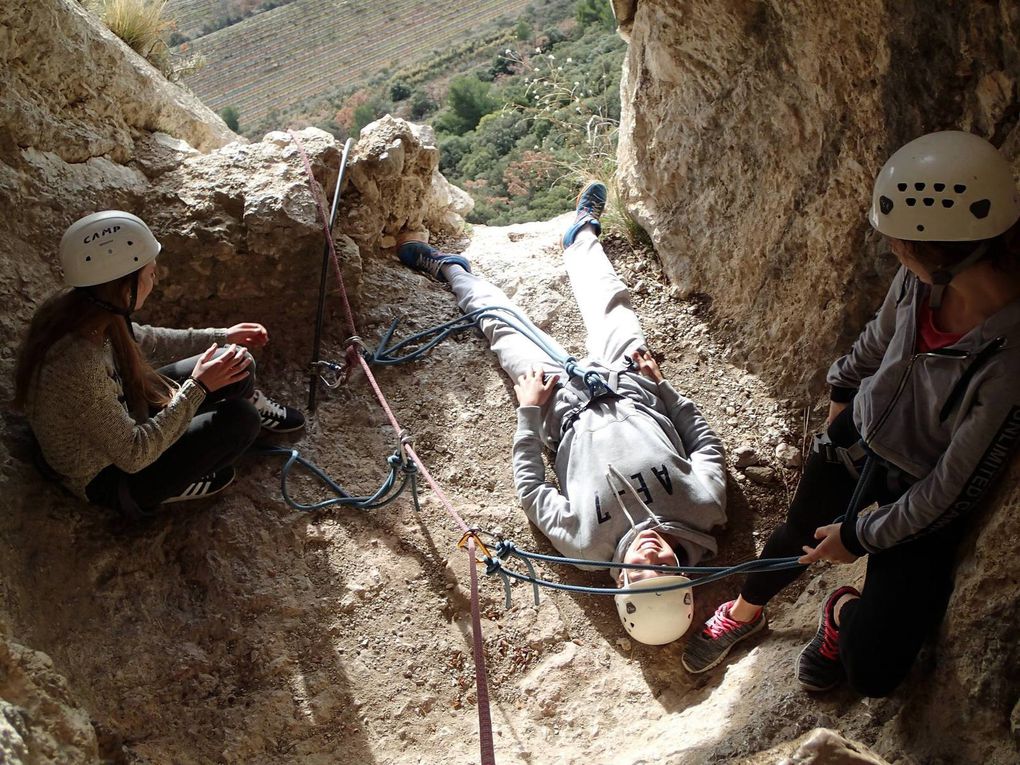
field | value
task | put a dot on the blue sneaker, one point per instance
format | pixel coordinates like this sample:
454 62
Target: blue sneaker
423 257
591 203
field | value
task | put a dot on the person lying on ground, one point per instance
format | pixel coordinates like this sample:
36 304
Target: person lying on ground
924 412
641 475
114 430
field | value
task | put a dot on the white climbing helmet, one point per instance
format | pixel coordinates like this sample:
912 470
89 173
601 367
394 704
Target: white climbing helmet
945 187
105 246
655 618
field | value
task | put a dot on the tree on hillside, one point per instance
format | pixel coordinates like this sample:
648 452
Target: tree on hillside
230 115
588 12
467 102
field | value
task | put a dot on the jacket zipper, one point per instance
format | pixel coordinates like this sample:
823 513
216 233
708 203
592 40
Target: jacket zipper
980 357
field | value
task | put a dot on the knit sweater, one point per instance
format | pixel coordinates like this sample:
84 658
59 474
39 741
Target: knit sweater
78 412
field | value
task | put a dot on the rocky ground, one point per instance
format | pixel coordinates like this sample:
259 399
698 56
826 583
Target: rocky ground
239 631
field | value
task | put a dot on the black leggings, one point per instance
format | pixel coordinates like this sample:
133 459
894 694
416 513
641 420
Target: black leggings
906 588
224 427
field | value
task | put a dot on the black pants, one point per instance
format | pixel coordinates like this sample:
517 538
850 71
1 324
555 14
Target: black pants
906 588
224 427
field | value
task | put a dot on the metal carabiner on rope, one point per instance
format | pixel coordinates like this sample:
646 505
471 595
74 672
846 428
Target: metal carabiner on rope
338 371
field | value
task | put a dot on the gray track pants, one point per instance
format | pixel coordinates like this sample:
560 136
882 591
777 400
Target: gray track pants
612 327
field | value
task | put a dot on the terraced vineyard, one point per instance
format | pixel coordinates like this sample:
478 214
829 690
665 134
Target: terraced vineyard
279 57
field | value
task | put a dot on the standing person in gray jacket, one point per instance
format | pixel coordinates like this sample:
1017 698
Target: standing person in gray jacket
114 430
641 475
924 413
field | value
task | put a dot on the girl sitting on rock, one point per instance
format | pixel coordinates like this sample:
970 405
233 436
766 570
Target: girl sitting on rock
116 431
924 412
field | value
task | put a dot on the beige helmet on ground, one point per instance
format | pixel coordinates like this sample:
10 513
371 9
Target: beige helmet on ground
945 187
655 618
105 246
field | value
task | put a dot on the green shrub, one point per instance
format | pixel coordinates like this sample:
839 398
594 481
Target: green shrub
468 100
229 114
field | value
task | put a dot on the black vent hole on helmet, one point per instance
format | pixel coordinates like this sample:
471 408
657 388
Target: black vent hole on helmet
885 205
959 188
947 203
937 187
911 201
631 608
88 258
920 227
110 252
919 186
131 243
136 258
632 625
928 201
981 208
901 186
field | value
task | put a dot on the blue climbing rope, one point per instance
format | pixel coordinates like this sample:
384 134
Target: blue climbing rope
506 549
420 343
387 492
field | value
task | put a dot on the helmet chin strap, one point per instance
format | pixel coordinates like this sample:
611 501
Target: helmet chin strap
942 277
93 298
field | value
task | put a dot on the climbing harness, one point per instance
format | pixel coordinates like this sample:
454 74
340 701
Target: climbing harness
314 367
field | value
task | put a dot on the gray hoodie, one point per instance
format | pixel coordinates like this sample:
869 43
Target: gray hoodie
650 434
949 417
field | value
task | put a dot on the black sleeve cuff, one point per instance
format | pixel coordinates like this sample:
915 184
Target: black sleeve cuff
841 395
848 536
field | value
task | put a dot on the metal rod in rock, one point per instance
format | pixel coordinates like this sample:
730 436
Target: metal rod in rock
313 378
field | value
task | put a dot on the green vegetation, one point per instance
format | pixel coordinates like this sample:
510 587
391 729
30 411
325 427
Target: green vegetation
141 24
530 112
229 115
145 27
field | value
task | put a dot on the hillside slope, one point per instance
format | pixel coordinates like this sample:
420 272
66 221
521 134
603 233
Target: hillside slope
274 59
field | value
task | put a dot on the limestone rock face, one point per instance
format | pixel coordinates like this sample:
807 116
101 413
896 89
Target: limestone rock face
750 137
73 88
39 719
396 185
751 134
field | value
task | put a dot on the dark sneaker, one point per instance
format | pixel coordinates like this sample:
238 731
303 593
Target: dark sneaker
206 486
818 666
591 203
422 256
720 633
277 417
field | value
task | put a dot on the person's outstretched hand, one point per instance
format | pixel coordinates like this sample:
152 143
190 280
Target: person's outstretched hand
647 365
248 334
533 389
229 367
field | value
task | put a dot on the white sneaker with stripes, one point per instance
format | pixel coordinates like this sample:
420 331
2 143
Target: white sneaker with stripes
206 486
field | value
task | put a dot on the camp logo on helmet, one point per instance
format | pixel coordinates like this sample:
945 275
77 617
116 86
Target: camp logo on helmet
110 231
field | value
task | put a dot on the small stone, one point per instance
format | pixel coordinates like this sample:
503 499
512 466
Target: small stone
730 411
623 643
745 456
788 455
762 475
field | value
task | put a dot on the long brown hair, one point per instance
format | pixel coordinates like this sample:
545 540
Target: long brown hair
70 310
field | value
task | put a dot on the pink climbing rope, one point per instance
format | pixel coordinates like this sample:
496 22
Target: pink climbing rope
481 675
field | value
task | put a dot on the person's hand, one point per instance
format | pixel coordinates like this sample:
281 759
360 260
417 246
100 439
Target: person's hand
835 408
229 367
647 365
533 389
830 547
249 334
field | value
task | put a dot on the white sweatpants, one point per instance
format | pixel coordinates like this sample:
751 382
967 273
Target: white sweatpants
612 327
